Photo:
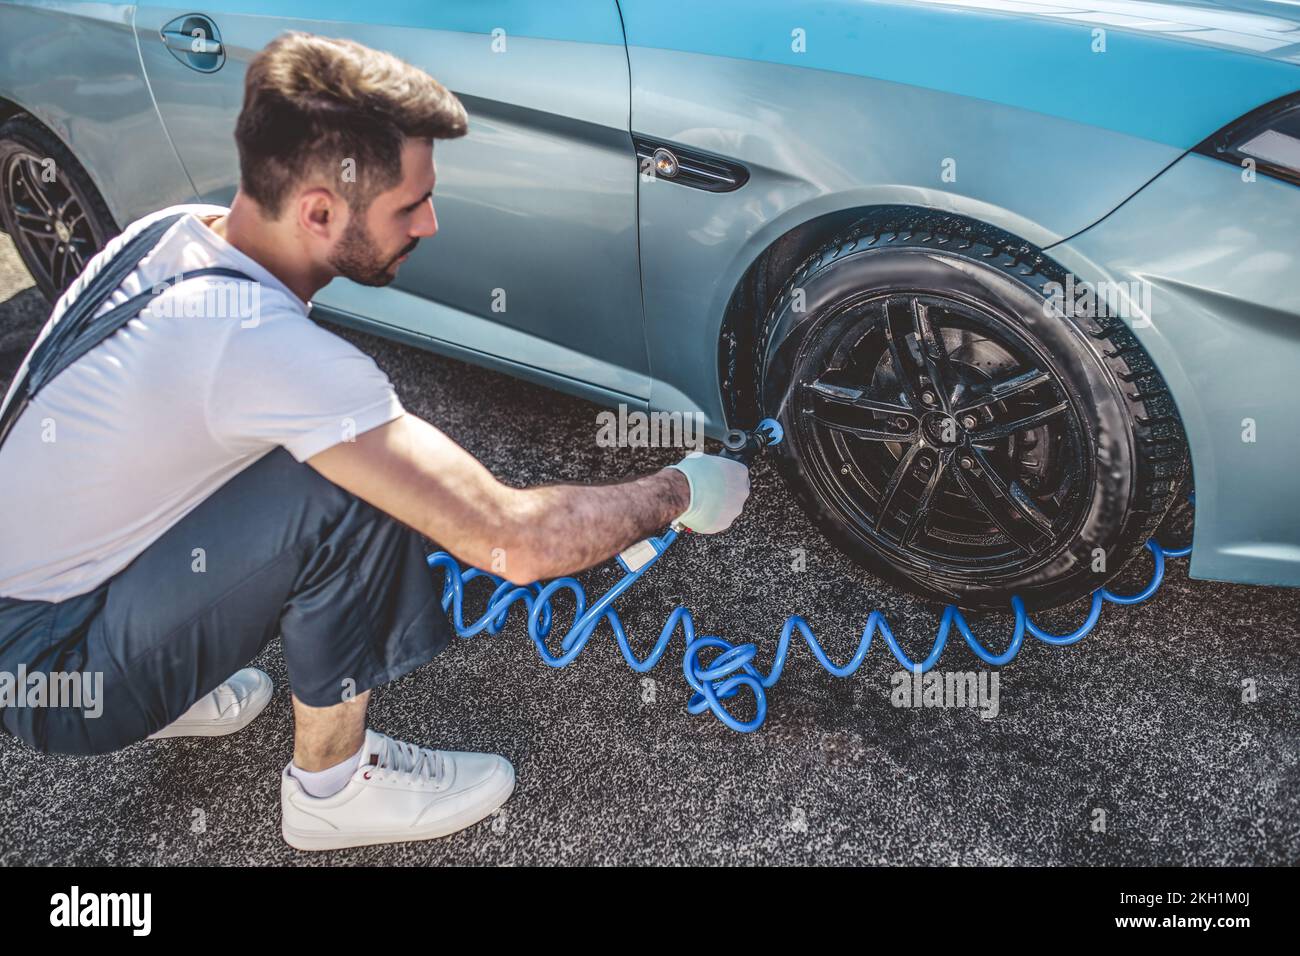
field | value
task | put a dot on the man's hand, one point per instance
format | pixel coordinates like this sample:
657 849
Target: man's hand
719 487
414 472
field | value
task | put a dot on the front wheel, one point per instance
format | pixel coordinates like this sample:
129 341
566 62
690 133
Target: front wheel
951 427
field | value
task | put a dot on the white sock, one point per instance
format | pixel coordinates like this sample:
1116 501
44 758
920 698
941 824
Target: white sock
327 782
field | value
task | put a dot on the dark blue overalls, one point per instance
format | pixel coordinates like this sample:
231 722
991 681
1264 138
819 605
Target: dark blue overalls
288 552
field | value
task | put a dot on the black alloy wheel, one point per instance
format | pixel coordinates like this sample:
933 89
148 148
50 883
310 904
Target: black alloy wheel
947 429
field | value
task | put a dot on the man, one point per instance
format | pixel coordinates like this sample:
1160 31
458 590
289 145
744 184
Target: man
196 483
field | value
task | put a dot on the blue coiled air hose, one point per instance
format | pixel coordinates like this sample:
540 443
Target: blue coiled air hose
722 676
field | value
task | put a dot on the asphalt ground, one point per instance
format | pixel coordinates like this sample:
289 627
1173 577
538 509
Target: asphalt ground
1143 744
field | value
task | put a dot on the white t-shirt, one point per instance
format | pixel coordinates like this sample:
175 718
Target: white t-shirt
137 432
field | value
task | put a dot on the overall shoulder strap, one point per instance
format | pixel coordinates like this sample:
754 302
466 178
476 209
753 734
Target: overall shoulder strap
91 331
79 329
100 286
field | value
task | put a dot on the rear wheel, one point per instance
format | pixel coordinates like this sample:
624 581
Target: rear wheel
48 205
949 429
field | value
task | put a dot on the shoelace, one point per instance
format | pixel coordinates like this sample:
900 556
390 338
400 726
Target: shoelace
409 760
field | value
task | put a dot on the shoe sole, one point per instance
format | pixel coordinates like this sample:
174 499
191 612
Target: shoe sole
341 841
253 707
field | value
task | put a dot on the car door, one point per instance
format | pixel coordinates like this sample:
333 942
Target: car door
536 261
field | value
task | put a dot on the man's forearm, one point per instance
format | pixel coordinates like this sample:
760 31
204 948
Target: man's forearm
565 528
412 471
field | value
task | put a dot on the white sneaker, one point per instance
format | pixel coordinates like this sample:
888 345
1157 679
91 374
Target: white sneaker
231 707
399 792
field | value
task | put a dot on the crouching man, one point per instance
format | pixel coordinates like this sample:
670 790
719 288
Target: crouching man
214 482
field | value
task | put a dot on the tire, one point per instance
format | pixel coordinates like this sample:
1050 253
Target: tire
51 210
1040 465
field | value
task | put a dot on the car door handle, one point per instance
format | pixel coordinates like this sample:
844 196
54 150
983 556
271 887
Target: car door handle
187 43
194 41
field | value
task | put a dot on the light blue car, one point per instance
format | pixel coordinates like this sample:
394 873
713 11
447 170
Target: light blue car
1003 269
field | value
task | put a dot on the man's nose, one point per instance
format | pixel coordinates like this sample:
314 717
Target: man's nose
427 223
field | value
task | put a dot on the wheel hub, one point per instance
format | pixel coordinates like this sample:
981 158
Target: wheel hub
943 430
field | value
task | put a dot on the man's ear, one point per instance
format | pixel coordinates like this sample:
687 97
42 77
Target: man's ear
321 213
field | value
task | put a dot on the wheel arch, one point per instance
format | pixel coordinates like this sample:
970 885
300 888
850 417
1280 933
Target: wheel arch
10 109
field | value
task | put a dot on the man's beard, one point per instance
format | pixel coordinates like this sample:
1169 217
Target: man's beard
356 257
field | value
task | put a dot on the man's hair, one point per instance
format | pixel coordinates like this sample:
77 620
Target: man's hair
312 104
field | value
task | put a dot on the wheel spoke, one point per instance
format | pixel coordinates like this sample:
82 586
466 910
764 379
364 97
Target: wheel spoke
866 434
899 324
1002 430
1008 507
53 259
68 204
33 176
21 211
830 400
1004 389
76 258
77 217
906 316
66 271
934 354
920 514
851 397
39 235
901 472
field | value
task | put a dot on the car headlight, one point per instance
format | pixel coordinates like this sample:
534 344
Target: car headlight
1268 136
